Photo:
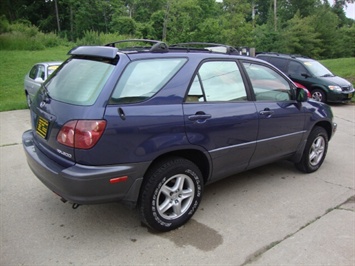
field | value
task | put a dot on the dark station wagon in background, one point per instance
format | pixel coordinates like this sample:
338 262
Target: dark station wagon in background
323 85
151 125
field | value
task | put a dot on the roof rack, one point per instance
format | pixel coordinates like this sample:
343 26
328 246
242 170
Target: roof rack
212 47
298 55
155 46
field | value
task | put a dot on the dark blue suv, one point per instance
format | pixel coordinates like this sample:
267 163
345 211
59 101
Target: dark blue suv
152 124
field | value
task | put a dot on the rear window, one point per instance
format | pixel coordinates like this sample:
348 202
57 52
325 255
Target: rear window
79 81
143 78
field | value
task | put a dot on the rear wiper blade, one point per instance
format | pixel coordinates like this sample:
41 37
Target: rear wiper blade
47 98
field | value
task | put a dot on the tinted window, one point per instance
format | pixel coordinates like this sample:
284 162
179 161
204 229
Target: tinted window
143 78
217 81
295 69
79 81
33 72
268 85
280 63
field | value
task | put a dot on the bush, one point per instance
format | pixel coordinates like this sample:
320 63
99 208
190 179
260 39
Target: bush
95 38
24 36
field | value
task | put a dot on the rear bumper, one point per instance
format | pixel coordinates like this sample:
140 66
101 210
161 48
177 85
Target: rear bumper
84 184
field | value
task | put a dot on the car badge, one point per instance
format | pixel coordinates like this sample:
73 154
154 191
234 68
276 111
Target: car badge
42 104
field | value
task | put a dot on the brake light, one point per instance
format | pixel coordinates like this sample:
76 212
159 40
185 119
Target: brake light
81 134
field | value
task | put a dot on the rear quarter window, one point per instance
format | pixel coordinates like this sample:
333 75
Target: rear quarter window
143 78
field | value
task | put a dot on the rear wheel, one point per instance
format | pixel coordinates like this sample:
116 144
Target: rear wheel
171 194
319 95
315 151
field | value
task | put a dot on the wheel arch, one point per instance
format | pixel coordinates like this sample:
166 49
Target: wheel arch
323 124
327 126
196 156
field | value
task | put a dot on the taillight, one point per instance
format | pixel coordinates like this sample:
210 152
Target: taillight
81 134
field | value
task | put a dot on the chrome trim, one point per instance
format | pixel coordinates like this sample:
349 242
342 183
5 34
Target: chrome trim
256 141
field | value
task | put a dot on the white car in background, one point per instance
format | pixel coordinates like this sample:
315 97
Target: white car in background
36 76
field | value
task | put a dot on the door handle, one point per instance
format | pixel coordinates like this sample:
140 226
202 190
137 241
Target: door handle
266 112
199 117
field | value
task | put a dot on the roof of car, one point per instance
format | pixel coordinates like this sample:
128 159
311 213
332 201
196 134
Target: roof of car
110 50
293 56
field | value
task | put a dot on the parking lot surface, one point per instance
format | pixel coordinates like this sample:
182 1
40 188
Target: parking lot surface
272 215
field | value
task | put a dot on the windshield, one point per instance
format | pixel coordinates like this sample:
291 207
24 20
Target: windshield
317 69
79 81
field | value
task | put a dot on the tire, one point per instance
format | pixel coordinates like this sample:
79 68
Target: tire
319 95
315 151
171 194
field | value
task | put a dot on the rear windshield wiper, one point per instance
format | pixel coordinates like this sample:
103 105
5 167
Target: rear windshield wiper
47 98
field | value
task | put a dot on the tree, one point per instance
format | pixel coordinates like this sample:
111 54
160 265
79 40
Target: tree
300 37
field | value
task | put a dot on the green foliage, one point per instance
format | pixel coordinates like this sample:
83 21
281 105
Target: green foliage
300 37
96 38
124 25
4 24
21 35
309 27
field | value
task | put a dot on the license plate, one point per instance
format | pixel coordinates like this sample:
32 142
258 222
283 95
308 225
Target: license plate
350 95
42 127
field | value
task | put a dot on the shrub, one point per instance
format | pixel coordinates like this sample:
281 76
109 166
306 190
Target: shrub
24 36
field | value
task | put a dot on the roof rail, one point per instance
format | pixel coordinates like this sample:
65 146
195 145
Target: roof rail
212 47
298 55
281 54
155 46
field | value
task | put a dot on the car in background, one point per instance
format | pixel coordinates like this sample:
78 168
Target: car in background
323 85
298 85
36 76
150 125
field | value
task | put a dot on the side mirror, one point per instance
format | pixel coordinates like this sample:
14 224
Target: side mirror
301 95
305 75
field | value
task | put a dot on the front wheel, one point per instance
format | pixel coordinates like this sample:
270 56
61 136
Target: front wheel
171 194
319 95
315 151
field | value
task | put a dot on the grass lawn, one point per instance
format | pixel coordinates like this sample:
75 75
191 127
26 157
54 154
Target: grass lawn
343 67
15 64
